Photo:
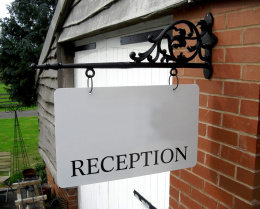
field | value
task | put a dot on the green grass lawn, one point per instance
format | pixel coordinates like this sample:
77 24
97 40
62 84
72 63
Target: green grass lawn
5 101
30 132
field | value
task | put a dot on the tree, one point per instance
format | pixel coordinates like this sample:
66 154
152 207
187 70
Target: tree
21 39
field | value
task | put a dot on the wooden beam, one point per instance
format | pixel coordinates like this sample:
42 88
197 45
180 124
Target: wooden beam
31 200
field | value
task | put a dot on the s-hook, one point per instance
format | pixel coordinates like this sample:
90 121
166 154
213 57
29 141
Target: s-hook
90 73
174 73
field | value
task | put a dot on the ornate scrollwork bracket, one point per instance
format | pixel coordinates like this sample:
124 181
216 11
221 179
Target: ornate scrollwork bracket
196 41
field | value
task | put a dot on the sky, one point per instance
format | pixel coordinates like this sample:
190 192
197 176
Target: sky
3 10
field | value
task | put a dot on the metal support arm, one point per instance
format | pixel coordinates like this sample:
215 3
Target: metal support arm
123 65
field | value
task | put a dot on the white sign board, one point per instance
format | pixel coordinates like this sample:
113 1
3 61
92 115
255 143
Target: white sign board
123 132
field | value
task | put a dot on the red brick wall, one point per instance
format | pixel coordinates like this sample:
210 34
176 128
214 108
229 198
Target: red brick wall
227 174
71 195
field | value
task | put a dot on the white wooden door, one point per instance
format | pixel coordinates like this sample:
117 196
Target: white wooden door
119 194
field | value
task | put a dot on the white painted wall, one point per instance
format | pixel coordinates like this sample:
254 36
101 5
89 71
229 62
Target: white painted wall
119 194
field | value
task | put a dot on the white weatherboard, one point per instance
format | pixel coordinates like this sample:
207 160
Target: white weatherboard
123 132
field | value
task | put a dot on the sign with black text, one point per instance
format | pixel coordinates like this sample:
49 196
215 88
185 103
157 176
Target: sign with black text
123 132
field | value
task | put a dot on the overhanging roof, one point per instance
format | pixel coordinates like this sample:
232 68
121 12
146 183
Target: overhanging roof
76 19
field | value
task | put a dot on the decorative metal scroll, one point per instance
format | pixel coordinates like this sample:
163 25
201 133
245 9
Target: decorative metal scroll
204 40
196 39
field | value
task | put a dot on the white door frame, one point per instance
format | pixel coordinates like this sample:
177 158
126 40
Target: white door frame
119 193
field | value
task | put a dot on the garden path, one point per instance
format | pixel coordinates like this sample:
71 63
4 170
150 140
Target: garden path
26 113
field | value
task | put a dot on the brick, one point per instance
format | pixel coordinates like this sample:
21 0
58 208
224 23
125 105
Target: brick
226 71
181 206
72 203
248 177
220 165
250 37
202 129
238 157
257 162
73 197
198 60
173 203
209 116
176 173
222 135
220 206
217 55
256 205
183 51
246 90
194 72
256 194
232 37
196 11
192 179
178 15
187 201
236 188
174 193
219 22
246 125
239 204
179 184
210 86
180 72
222 6
209 146
183 80
223 104
251 72
201 157
242 54
252 3
202 198
205 173
250 108
219 194
73 191
249 144
243 18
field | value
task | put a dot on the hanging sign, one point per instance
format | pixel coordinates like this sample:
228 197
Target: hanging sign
123 132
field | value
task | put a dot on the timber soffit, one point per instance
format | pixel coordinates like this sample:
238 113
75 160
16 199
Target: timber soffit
63 10
108 16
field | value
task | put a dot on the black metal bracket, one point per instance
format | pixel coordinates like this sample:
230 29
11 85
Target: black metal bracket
197 42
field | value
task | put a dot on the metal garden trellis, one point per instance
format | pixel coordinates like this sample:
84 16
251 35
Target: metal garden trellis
20 158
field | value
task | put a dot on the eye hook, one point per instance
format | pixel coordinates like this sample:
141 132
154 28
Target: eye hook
174 73
90 73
